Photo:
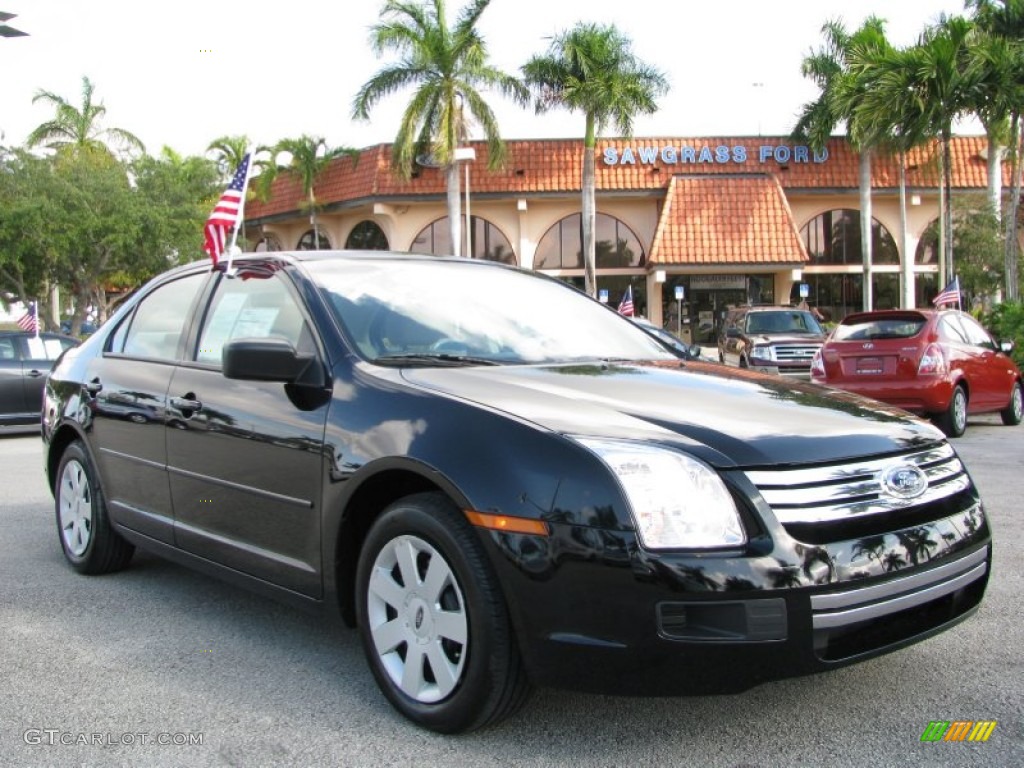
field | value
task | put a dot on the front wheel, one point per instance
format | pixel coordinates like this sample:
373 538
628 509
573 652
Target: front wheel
953 421
432 619
1012 413
89 541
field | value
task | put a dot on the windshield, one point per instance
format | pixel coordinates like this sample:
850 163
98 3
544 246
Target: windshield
782 321
446 312
892 327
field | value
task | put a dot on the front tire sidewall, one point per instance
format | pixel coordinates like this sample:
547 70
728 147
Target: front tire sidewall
105 550
489 647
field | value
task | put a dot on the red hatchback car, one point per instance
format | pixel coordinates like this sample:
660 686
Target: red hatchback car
937 363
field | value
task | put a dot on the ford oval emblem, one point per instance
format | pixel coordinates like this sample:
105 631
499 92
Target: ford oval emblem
904 481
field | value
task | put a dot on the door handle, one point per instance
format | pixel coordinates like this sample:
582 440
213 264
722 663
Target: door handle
35 373
94 386
188 405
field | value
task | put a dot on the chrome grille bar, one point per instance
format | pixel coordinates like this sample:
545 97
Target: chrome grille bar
841 492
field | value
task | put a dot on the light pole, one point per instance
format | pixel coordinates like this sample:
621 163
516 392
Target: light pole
759 89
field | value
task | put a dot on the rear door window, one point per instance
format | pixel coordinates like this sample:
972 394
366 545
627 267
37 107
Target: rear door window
155 329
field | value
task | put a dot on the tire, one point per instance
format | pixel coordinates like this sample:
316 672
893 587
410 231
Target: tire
953 421
90 543
1012 413
452 621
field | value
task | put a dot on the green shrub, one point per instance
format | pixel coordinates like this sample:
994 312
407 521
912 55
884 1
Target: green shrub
1006 323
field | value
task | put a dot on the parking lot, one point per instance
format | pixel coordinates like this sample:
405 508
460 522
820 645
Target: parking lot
160 666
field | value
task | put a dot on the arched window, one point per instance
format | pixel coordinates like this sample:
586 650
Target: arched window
308 242
488 241
562 245
928 245
268 243
833 237
367 236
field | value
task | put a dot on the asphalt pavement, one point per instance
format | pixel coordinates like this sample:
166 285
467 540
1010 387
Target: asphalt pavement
160 666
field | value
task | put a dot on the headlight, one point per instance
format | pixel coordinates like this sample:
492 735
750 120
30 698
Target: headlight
677 502
762 352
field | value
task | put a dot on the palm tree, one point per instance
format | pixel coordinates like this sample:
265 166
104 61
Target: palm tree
891 114
448 68
77 128
592 69
938 67
1003 24
840 91
309 156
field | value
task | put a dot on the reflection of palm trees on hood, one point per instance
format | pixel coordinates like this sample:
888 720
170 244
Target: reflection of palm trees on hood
893 561
917 544
870 546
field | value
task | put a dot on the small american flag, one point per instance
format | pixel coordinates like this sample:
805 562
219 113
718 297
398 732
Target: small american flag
950 294
626 305
30 320
227 213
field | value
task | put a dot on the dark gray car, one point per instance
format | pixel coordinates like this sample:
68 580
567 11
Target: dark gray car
25 359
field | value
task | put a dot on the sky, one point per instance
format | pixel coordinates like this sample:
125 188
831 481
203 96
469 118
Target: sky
184 73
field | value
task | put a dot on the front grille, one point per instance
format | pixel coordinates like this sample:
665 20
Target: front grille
844 493
795 353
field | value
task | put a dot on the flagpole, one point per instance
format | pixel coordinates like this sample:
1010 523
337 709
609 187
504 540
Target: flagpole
241 208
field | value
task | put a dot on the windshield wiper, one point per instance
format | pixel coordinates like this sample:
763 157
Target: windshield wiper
439 358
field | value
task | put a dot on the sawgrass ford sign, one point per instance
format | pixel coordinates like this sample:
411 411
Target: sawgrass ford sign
705 154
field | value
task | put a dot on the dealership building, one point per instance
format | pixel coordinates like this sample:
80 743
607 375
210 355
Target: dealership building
694 225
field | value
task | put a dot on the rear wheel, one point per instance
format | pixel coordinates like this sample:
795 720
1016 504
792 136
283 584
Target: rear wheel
433 621
954 420
1012 413
89 541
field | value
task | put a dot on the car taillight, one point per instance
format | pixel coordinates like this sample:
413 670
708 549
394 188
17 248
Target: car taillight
817 366
933 362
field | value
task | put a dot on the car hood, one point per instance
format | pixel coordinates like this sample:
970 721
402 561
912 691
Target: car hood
786 338
729 417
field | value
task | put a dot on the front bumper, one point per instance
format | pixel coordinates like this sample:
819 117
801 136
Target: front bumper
619 620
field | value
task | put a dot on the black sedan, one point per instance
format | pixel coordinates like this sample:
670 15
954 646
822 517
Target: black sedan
25 359
499 496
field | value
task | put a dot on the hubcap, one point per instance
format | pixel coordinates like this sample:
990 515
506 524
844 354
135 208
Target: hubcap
1018 403
75 504
417 619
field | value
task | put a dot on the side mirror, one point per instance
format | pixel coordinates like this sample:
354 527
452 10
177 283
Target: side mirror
264 359
1006 346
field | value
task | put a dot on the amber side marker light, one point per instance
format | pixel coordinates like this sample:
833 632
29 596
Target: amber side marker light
507 524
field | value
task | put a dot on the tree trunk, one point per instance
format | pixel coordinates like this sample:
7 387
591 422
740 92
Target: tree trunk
947 203
454 208
866 233
995 176
1010 259
908 299
588 218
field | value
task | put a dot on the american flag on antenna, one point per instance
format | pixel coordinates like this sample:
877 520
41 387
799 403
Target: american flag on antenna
626 305
30 320
227 213
950 294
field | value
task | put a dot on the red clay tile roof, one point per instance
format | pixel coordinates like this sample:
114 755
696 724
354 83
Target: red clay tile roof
535 167
730 219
